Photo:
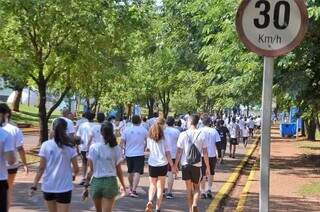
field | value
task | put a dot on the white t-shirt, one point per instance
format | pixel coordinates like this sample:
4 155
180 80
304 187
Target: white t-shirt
80 121
251 124
17 136
212 137
104 159
241 123
134 138
245 132
85 133
158 151
185 141
233 127
171 135
70 126
151 121
6 145
57 177
96 133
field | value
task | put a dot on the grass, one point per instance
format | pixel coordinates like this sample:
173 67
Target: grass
310 147
29 115
311 189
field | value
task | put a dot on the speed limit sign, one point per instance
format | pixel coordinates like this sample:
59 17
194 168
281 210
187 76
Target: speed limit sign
272 27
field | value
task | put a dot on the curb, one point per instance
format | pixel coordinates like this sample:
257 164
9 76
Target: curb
227 187
246 189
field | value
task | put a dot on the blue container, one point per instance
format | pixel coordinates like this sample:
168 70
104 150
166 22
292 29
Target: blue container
287 130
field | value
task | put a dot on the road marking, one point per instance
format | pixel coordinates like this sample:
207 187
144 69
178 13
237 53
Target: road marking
245 191
227 187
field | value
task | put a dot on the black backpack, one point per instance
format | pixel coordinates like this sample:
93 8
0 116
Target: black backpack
194 155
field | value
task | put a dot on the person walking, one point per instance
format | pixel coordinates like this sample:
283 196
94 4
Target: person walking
171 135
224 135
56 157
212 139
17 136
245 135
104 161
235 134
96 128
85 134
159 158
7 155
133 142
191 144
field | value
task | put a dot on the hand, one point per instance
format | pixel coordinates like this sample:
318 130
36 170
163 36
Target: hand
220 160
85 194
123 191
31 192
174 169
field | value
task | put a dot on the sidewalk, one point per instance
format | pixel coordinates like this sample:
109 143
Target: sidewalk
22 203
290 170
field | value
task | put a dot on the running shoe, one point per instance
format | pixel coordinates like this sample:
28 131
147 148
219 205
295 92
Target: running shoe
203 196
169 196
149 207
134 194
209 195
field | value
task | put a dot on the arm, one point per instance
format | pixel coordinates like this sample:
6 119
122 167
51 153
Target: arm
206 159
22 155
178 157
218 145
10 157
89 174
168 155
120 176
38 176
75 166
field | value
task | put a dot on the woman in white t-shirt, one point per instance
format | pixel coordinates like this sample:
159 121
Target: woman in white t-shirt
104 161
159 158
56 157
245 135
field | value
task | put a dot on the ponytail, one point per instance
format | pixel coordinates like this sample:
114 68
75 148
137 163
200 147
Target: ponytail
108 134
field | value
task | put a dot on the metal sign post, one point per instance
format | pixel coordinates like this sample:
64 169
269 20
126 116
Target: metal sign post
265 134
270 28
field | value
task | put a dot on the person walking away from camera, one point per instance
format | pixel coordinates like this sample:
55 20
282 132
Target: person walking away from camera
56 157
171 135
152 120
159 159
133 141
224 135
70 128
85 134
104 161
80 121
213 141
234 130
96 128
17 136
245 135
7 156
145 123
251 126
191 144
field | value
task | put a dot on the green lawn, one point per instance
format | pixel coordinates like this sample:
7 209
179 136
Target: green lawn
311 189
29 115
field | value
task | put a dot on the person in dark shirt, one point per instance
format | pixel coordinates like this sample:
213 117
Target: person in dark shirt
224 133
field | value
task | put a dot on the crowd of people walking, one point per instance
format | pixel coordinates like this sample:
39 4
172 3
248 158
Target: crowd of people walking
192 144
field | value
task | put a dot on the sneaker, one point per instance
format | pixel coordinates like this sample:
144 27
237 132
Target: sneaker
209 195
134 194
169 196
149 207
203 196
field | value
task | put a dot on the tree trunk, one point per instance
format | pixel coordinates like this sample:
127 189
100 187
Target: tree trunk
43 121
303 129
17 100
311 129
150 105
129 111
165 108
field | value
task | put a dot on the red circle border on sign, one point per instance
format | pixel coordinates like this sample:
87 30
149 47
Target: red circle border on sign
273 53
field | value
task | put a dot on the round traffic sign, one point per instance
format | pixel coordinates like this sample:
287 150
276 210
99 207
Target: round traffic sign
272 27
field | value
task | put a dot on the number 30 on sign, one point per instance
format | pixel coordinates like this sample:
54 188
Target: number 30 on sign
272 27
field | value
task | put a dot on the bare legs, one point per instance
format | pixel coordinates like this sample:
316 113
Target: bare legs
104 204
53 206
11 178
157 187
193 193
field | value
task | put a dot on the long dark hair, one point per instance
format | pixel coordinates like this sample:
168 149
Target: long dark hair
60 133
108 134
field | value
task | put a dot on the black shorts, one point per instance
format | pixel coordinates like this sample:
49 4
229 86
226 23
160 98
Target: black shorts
13 171
158 171
212 163
63 198
3 195
135 164
234 141
84 157
223 144
192 173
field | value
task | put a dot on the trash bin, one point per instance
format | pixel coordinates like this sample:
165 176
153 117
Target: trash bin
287 130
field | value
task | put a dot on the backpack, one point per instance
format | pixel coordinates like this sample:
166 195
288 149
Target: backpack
194 155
